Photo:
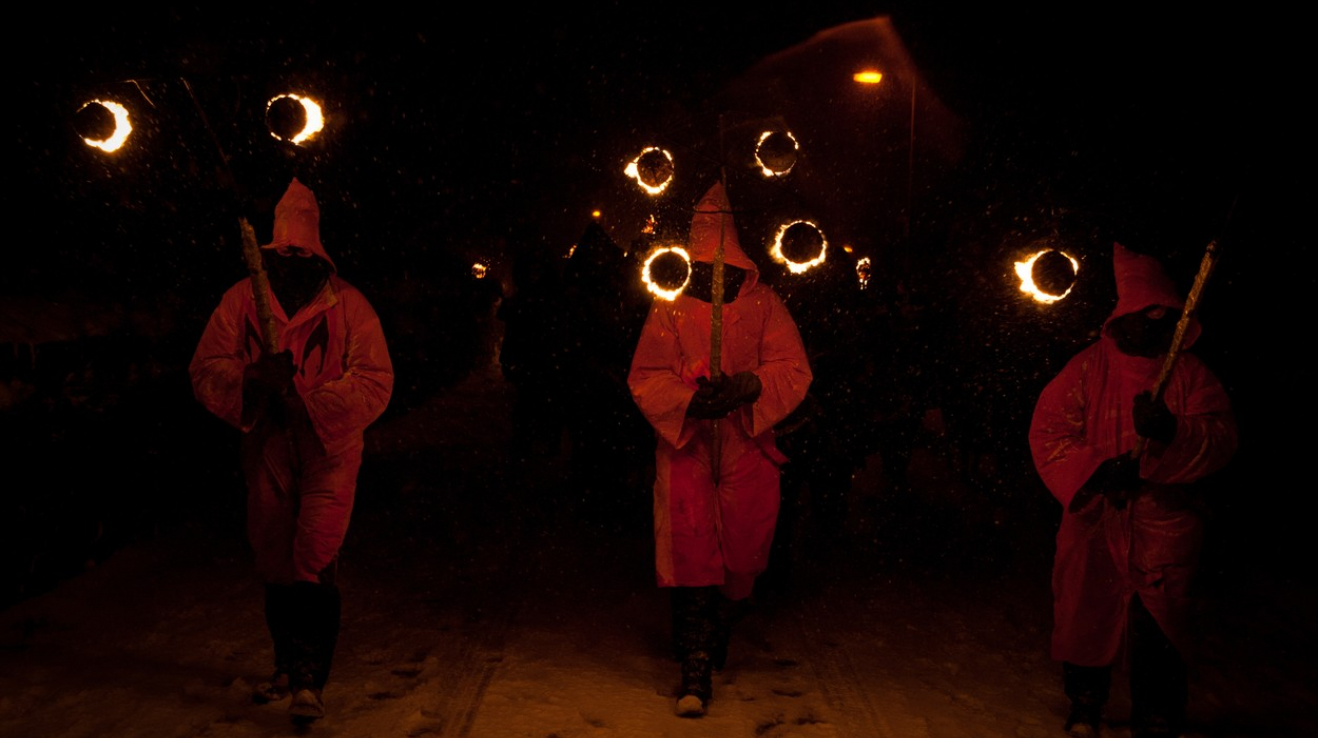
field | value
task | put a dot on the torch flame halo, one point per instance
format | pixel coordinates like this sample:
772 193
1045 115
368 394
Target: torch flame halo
655 289
315 118
798 267
1025 270
764 168
122 127
633 170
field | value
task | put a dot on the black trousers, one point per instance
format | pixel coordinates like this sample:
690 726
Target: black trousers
303 618
1159 679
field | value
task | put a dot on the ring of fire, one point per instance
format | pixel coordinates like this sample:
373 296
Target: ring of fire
652 286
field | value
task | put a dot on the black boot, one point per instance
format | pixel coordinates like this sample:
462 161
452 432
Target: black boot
727 613
318 611
278 619
1088 688
1159 679
694 638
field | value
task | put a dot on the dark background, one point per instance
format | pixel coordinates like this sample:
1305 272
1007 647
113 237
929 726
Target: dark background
493 133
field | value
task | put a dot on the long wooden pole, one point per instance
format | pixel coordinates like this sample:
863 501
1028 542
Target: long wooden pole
1206 265
716 320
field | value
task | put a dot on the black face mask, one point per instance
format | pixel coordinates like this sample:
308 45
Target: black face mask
295 280
702 281
1147 333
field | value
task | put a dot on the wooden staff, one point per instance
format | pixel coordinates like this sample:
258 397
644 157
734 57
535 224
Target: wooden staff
716 324
260 287
1211 255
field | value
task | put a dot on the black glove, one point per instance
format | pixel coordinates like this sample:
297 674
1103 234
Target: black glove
742 388
714 399
710 401
1152 418
269 375
1117 479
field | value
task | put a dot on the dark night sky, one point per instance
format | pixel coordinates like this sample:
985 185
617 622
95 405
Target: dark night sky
475 132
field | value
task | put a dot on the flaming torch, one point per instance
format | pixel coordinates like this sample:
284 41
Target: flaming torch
1053 264
652 169
775 153
668 261
104 124
294 118
800 245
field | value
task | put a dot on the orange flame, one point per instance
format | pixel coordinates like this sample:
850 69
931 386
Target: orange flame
798 267
315 119
1025 270
121 126
764 168
654 288
863 271
633 170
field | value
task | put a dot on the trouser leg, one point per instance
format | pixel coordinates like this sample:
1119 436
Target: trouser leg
279 621
1159 678
1088 688
318 609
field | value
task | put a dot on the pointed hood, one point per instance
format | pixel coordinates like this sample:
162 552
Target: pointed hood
712 221
1141 283
297 222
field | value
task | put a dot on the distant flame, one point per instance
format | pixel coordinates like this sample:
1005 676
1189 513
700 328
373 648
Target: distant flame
478 270
1025 270
650 285
798 267
633 170
315 119
765 169
868 77
121 126
863 271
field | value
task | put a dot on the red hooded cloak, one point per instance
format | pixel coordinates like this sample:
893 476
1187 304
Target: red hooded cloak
302 472
1105 555
707 533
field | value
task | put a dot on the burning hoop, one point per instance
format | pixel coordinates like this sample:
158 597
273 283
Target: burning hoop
796 240
97 116
1052 290
294 118
652 283
652 169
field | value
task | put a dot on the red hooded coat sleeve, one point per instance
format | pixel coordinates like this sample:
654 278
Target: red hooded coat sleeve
225 348
673 352
1083 418
345 376
662 379
343 406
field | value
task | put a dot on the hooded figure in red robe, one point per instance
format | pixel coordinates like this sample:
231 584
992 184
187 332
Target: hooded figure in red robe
1130 534
713 524
303 412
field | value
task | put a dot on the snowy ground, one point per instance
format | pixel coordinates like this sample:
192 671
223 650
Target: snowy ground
471 613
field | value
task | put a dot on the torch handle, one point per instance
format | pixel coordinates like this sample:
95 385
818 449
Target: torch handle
1178 338
260 287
